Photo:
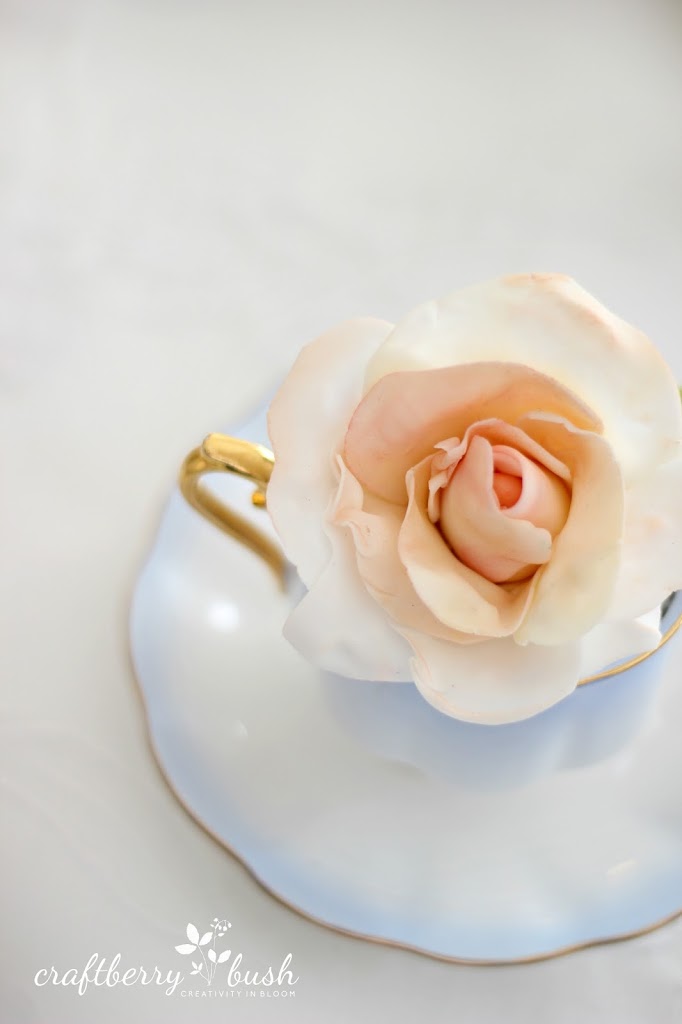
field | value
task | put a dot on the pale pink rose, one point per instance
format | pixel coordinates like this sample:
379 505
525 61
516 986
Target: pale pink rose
485 499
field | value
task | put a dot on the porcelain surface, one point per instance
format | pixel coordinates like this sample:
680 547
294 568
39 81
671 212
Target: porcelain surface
365 808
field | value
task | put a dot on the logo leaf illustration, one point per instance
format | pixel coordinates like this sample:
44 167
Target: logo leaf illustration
211 955
206 937
192 933
224 956
186 948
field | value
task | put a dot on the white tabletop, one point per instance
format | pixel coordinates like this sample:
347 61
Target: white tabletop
189 192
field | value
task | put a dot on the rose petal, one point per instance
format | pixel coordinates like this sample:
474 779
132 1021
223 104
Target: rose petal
340 627
574 589
481 535
375 535
461 598
494 682
404 415
548 322
306 422
651 564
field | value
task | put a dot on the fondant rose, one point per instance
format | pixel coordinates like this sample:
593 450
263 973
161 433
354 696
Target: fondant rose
485 499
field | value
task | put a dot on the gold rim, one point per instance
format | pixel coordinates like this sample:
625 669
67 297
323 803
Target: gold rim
617 669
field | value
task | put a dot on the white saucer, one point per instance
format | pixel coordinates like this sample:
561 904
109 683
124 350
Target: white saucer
362 807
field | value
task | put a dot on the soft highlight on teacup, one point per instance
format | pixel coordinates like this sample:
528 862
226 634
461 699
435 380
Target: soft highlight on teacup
484 499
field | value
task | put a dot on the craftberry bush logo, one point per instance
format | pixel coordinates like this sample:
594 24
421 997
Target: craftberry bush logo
220 968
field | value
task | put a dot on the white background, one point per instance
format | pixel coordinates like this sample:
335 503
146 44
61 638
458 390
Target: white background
189 191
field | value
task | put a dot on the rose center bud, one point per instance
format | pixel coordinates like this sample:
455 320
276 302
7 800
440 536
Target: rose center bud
507 488
500 511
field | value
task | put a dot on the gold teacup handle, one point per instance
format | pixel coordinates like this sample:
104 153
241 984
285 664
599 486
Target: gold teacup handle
254 462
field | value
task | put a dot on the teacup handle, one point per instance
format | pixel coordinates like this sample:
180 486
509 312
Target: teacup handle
222 454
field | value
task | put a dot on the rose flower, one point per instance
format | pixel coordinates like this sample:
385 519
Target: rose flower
485 499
